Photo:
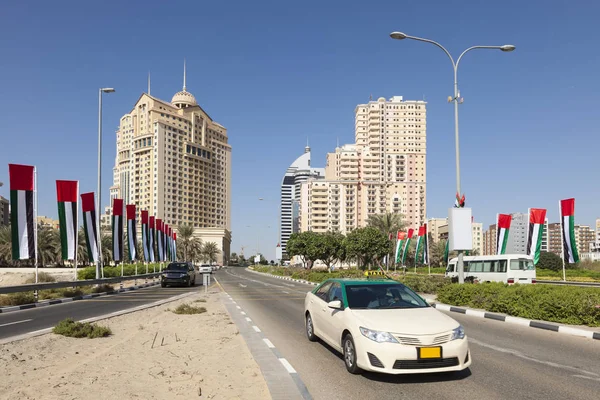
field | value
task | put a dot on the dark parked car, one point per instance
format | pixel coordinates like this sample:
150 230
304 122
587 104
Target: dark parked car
178 273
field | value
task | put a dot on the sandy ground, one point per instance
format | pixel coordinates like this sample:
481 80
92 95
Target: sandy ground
195 356
13 277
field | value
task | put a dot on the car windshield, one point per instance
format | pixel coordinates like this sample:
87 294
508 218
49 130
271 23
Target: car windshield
177 267
382 296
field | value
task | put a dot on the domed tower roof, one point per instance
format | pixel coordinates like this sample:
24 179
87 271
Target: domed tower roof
184 98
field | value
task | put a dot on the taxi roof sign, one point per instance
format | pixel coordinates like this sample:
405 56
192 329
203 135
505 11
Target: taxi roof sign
375 273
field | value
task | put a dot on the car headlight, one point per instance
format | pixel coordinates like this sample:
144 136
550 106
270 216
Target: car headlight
458 333
376 336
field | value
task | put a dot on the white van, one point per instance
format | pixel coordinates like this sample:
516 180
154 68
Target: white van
507 268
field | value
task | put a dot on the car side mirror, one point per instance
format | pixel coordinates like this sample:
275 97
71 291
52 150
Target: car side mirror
336 304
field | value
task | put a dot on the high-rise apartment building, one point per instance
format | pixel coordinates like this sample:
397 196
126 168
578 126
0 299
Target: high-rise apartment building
554 238
434 225
300 171
4 211
490 241
519 233
174 160
584 238
383 171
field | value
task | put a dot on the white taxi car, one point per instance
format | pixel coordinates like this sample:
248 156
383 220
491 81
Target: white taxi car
383 326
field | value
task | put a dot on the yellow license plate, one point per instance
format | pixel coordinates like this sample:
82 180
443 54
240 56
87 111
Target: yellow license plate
430 352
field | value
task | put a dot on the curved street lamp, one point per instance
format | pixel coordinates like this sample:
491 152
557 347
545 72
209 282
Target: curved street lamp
457 100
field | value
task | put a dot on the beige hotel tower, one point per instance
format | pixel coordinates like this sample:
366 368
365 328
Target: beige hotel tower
383 171
173 160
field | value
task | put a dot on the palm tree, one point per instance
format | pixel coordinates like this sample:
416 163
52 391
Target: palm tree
195 249
388 223
107 246
185 235
82 253
210 251
48 243
5 244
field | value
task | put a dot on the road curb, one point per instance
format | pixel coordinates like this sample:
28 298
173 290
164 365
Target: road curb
563 329
260 346
285 278
98 318
46 303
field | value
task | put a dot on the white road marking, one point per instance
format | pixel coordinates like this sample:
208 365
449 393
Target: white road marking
287 366
256 328
243 313
525 357
238 307
288 284
285 292
248 319
269 344
16 322
587 377
243 285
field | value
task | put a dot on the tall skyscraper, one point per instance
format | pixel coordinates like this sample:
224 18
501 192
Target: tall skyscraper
174 160
383 171
300 171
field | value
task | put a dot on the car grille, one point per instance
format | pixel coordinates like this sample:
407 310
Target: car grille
424 340
375 361
425 364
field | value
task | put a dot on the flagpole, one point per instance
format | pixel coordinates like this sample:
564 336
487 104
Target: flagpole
35 232
562 237
76 232
427 244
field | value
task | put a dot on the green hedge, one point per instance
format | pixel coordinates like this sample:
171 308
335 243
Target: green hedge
419 283
114 272
562 304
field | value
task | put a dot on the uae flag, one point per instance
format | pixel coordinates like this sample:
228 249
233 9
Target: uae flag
409 236
503 221
567 219
23 227
459 202
399 239
89 225
117 230
151 238
174 246
447 251
166 243
131 232
145 236
420 236
67 193
159 240
425 245
537 217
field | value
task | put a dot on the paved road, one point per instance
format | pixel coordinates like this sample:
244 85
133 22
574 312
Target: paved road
25 321
508 361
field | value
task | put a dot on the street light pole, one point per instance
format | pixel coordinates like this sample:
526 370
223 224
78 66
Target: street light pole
99 270
457 100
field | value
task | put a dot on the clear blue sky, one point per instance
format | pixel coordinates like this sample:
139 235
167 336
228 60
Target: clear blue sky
277 72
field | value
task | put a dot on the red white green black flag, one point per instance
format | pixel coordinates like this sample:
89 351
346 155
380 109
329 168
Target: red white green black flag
89 225
503 227
131 232
567 219
537 218
22 213
409 236
420 236
117 229
159 240
145 236
151 233
67 193
399 239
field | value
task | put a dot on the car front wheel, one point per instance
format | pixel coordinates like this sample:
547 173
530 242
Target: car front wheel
310 329
350 354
